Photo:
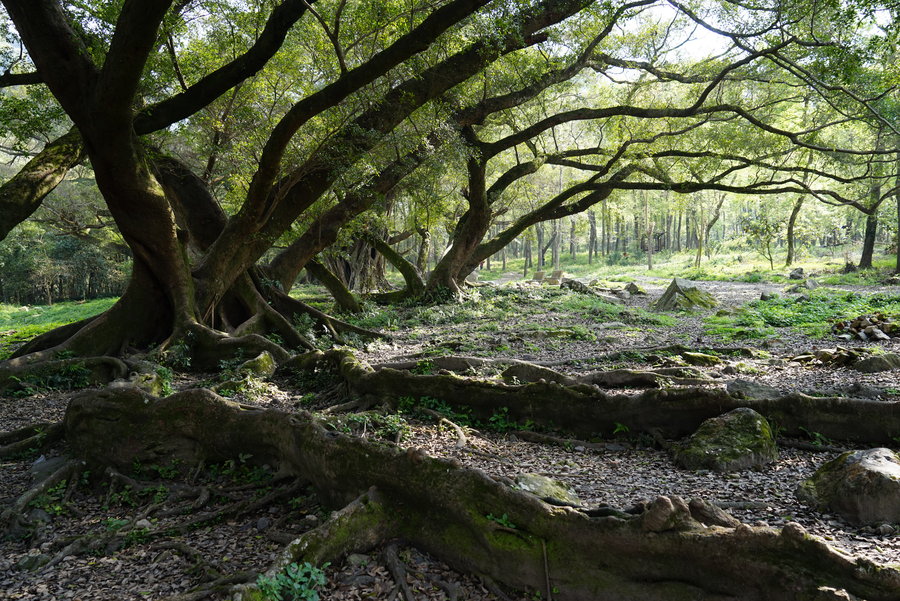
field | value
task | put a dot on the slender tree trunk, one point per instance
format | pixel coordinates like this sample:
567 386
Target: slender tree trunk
897 196
791 238
573 242
868 250
557 238
539 229
592 239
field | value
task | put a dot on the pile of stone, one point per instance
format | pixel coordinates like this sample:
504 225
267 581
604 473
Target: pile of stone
867 327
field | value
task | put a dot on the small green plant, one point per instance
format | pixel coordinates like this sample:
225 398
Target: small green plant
179 354
621 428
296 582
817 438
423 367
502 520
165 377
114 524
51 500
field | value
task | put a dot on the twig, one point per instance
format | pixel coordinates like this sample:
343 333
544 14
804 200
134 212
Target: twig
546 570
568 443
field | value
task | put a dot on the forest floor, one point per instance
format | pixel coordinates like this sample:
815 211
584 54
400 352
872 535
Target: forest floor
572 332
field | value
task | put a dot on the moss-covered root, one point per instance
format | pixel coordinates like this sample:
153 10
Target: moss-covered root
29 439
359 527
66 373
585 410
664 554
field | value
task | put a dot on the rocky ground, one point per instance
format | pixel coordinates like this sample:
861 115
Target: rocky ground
241 539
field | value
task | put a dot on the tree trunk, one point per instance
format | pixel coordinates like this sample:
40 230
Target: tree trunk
592 237
868 249
342 296
791 238
897 196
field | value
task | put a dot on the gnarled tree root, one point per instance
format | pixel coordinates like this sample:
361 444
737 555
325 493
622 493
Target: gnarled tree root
25 439
586 411
442 508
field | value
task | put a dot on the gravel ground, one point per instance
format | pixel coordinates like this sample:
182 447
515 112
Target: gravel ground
620 478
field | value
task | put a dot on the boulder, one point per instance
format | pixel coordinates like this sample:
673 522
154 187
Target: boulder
684 295
863 487
577 286
878 363
796 274
548 489
635 290
737 440
804 286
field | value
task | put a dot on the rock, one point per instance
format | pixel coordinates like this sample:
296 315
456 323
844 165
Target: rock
263 523
623 294
684 295
358 559
737 440
44 467
803 298
863 487
796 274
634 289
548 489
33 562
885 530
767 296
803 286
746 389
261 366
577 286
877 363
701 359
144 524
39 516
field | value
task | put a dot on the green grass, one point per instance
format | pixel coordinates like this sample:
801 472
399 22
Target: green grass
740 265
813 317
20 324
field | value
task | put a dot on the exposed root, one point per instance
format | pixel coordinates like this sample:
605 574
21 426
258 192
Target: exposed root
398 572
359 527
585 410
219 585
289 306
30 438
810 446
567 443
50 372
441 508
13 517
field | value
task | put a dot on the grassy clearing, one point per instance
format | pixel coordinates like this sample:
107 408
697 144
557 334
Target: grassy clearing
813 315
739 266
19 324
